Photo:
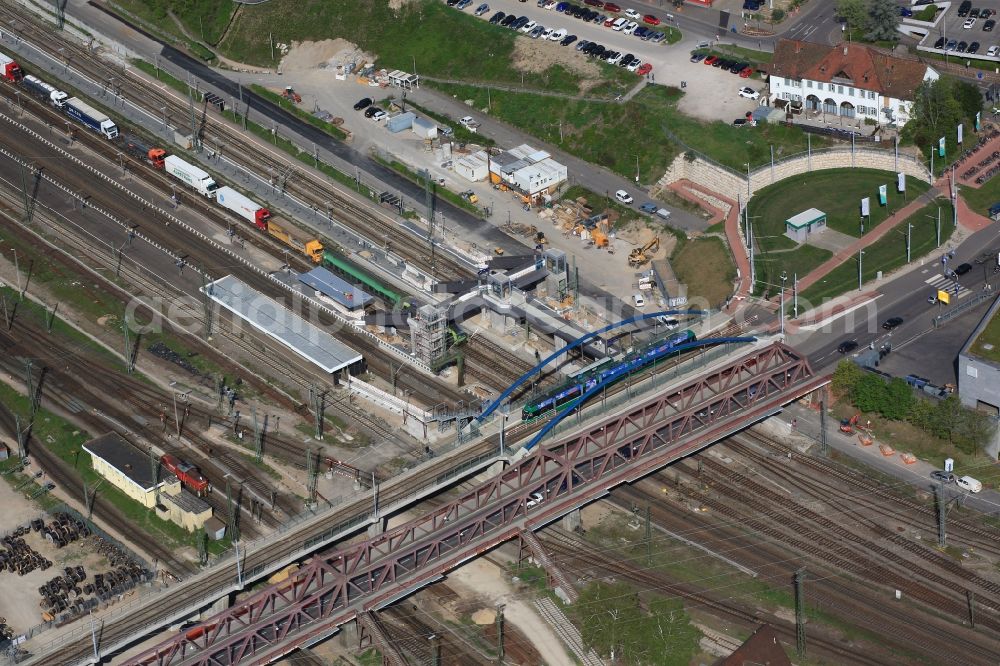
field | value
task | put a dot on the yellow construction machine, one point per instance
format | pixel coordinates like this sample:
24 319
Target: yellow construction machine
641 255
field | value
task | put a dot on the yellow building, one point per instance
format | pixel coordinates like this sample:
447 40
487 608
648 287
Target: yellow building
130 470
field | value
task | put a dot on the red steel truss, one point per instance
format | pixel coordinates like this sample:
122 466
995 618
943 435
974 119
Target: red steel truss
335 587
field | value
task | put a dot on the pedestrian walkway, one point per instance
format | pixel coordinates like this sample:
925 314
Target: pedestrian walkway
873 235
952 287
685 188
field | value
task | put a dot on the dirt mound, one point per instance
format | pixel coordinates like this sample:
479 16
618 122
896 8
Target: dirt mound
484 616
323 54
532 55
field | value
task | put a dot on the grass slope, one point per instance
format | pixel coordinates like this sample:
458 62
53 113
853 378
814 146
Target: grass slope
706 267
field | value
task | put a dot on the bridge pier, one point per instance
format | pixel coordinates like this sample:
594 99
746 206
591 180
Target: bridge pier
571 521
220 604
377 527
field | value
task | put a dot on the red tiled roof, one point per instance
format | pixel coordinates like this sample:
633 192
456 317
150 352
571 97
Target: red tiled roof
854 64
761 649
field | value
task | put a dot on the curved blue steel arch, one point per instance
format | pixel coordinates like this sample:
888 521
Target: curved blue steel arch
594 389
576 343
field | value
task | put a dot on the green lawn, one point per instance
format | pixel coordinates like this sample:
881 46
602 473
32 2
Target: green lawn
202 20
987 344
706 267
615 134
885 254
770 265
441 41
730 51
836 192
981 198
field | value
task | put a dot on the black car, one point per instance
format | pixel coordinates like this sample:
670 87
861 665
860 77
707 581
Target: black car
989 25
973 48
719 62
974 13
847 346
964 8
496 18
962 46
507 21
962 269
739 67
939 44
371 111
567 40
363 103
598 51
891 323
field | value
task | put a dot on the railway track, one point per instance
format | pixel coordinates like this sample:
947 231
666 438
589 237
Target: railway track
265 164
158 229
979 537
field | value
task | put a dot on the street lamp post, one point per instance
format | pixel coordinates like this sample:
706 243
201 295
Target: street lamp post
861 253
781 312
795 295
909 228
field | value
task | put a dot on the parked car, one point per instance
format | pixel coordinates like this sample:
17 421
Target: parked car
968 24
482 9
537 32
379 115
634 65
623 196
961 47
941 475
547 34
507 21
968 483
711 60
746 72
371 111
697 57
462 4
496 18
632 14
891 323
619 24
989 25
657 37
974 13
630 27
905 11
644 69
567 40
950 46
611 7
748 93
528 26
648 207
993 51
973 48
649 19
594 3
363 103
964 8
582 44
640 32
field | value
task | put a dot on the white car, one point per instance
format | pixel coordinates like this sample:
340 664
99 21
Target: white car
969 23
619 24
632 14
528 27
630 28
749 93
546 34
993 50
634 65
623 196
534 499
379 116
558 35
549 4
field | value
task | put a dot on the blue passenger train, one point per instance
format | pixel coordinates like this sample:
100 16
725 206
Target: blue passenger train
561 397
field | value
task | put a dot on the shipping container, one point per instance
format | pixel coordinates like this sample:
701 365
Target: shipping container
243 206
190 175
400 122
424 128
91 117
291 237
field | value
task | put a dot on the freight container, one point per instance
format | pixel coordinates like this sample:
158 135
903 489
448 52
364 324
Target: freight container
400 122
308 246
144 151
190 175
91 117
243 206
44 91
9 69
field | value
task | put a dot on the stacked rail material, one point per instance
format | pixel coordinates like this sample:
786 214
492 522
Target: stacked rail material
568 214
17 556
63 530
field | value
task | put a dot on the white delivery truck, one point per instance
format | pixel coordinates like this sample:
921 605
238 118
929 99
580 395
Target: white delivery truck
970 484
190 175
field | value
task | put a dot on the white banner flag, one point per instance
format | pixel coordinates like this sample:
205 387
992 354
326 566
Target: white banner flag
960 132
865 210
901 181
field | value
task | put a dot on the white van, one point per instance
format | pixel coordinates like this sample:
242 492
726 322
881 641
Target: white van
970 484
638 301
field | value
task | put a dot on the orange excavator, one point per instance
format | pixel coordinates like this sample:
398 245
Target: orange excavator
847 425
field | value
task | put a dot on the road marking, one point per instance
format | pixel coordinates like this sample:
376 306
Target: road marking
942 283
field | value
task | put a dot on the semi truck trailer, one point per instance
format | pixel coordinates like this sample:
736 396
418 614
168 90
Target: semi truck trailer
246 208
9 69
144 151
190 175
44 91
91 118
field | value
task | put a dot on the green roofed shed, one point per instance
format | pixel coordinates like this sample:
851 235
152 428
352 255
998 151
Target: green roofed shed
799 227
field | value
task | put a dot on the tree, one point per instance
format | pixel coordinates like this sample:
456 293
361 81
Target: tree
936 112
922 414
855 12
882 20
870 393
947 421
898 400
975 430
846 377
970 99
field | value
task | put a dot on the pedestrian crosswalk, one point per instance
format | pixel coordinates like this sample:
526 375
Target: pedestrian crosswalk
941 283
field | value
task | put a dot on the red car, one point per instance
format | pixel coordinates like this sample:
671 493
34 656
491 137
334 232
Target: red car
609 21
649 19
710 59
746 73
611 7
644 69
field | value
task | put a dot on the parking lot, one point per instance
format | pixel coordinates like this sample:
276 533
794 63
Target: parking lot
964 32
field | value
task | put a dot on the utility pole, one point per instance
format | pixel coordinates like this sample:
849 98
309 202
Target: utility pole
6 312
435 649
154 469
649 539
500 654
22 445
206 293
195 141
942 513
131 347
800 614
824 446
258 435
317 399
61 21
29 381
909 228
970 597
234 533
429 203
312 474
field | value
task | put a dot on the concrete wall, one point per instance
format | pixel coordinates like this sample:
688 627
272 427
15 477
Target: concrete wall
979 378
732 185
123 483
